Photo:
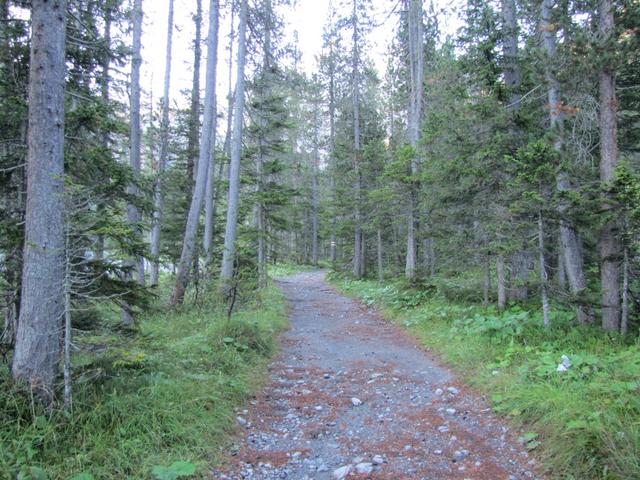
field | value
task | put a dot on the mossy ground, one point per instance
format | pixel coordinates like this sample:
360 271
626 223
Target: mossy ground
163 394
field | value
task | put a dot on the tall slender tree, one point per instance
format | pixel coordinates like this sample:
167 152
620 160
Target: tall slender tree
156 226
133 213
415 43
610 249
228 255
572 261
205 160
38 340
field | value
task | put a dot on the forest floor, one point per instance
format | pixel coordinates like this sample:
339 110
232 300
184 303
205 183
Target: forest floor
354 396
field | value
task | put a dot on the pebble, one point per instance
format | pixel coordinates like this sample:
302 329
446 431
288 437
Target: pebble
377 460
356 402
241 421
342 472
460 455
439 391
453 390
451 411
364 468
443 428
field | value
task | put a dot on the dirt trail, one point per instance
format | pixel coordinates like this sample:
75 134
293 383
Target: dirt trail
353 396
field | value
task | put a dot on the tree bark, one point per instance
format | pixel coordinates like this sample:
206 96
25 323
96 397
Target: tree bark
414 123
501 281
315 194
205 160
610 250
228 255
133 214
543 273
38 340
380 255
624 316
164 153
357 240
194 112
332 146
571 262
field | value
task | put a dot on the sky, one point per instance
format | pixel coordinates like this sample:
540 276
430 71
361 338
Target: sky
306 17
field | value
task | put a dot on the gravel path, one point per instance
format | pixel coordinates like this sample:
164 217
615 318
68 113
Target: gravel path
353 396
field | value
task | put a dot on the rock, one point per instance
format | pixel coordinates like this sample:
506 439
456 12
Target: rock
564 365
451 411
323 468
318 408
377 460
364 468
437 452
460 455
453 390
241 421
326 376
356 402
342 472
439 391
443 428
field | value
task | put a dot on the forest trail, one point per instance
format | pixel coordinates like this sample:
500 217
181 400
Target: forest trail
353 396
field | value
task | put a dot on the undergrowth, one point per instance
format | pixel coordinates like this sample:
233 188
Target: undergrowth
153 405
584 422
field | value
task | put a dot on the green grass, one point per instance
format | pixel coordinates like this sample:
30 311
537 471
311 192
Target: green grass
583 423
166 394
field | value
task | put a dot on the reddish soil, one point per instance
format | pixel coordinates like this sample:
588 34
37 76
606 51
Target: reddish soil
351 389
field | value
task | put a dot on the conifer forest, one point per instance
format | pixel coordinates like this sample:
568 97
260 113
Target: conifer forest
407 247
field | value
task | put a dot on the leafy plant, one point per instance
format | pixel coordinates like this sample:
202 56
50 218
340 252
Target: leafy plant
174 471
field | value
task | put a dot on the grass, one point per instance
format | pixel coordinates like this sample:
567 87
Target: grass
165 395
583 423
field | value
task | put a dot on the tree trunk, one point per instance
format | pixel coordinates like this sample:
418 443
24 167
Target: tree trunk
332 146
164 153
562 271
211 192
228 255
315 194
357 240
414 123
571 261
38 340
543 273
194 112
68 387
501 281
487 281
205 160
380 255
521 261
624 316
133 214
609 242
